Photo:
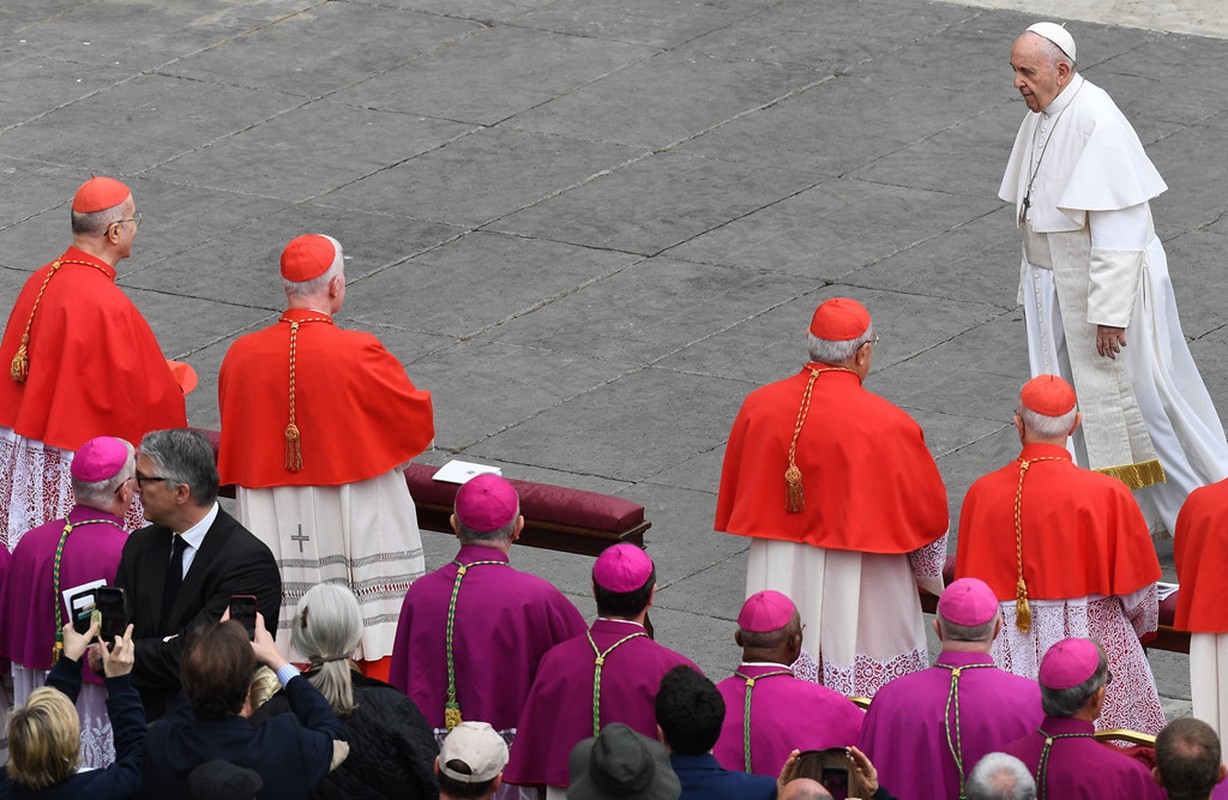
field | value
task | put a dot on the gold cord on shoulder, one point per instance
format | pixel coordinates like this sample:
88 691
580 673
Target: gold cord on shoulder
294 437
795 497
19 370
1023 610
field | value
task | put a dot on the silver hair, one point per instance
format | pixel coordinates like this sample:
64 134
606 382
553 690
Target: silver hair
318 284
95 223
184 457
954 632
1047 427
469 535
325 629
999 776
1068 702
100 494
836 353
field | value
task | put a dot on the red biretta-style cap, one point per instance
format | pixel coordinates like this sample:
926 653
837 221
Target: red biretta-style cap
1048 395
98 194
839 319
308 257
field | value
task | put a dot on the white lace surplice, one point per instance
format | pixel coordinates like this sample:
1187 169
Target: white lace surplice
36 486
862 612
1131 700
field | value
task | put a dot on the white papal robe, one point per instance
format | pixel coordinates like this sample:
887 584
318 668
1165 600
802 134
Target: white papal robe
1081 184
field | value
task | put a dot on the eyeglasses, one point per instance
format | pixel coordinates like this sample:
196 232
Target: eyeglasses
124 482
873 341
135 219
141 480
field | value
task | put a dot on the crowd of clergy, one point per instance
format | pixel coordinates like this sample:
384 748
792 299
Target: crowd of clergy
301 647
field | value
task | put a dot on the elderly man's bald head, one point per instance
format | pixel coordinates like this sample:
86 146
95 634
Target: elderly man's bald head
803 789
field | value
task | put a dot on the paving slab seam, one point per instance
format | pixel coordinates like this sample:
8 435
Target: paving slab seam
561 191
258 324
735 218
540 304
732 556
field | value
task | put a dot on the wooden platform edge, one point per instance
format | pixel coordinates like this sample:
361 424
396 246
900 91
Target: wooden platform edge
546 535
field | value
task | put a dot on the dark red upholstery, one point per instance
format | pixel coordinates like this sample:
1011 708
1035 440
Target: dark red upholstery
539 501
556 517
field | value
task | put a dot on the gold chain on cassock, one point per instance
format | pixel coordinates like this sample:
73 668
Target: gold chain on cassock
451 707
69 527
599 663
750 687
955 739
795 498
1023 611
1042 769
19 370
294 437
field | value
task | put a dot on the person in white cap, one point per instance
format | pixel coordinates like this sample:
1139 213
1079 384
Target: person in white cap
318 423
1097 298
470 763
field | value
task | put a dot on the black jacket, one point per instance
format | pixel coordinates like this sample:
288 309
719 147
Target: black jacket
392 748
230 561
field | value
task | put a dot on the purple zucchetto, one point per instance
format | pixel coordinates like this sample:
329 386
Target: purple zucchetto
99 459
622 568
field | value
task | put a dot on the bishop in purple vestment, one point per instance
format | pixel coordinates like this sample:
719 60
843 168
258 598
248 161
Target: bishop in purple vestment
502 622
91 537
610 673
1069 764
90 542
786 713
925 731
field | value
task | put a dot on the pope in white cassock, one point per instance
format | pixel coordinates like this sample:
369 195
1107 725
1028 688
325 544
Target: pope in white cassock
1095 289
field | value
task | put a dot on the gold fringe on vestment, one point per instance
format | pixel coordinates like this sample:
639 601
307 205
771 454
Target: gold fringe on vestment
1136 476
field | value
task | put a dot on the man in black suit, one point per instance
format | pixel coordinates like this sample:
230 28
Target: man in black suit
181 571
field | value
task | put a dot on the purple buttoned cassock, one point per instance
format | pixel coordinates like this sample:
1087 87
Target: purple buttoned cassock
559 711
1081 768
506 621
786 714
905 737
91 552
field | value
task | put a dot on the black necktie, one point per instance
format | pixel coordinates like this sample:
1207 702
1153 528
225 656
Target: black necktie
174 577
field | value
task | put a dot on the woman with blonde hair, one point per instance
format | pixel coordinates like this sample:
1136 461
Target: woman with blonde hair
45 733
392 749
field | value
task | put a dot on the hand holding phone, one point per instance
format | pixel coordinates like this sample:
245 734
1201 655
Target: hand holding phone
243 611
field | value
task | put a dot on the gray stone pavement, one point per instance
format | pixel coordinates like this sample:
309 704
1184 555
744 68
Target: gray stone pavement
591 228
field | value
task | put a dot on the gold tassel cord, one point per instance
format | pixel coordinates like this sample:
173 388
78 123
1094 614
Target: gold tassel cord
19 369
293 435
294 438
1023 610
795 495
